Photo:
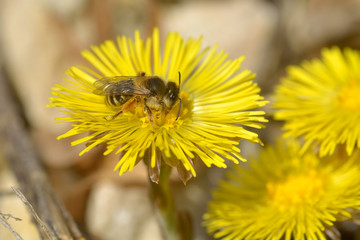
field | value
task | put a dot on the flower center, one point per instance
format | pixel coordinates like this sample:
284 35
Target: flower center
164 117
296 190
349 96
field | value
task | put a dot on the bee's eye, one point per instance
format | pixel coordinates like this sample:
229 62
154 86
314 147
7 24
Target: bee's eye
172 96
173 91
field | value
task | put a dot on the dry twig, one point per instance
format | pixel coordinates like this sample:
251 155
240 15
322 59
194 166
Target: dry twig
3 221
20 152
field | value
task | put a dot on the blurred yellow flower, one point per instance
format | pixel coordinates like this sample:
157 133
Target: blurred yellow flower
217 104
285 195
320 100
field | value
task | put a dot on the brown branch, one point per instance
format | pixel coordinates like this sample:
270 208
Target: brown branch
19 150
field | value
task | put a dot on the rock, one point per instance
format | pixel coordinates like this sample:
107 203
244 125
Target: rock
117 212
240 27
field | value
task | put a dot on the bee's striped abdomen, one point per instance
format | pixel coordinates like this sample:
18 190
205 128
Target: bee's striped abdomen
115 97
116 100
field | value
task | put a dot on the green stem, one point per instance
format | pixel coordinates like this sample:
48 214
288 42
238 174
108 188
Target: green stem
164 204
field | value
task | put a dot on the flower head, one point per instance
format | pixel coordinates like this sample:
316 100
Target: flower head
285 195
217 103
320 101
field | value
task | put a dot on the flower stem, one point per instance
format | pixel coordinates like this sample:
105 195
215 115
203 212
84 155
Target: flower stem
164 205
165 208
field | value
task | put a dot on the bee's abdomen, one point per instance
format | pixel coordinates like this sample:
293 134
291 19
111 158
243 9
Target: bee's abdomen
116 100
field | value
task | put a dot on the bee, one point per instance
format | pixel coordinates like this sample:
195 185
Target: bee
128 92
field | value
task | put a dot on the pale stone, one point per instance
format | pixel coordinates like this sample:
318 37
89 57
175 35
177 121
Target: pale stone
38 45
308 24
239 27
118 212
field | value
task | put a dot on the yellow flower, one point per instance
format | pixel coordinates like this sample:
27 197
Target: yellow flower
217 103
320 100
285 195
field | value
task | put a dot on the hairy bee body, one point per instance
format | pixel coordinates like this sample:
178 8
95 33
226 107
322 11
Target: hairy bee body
112 96
129 91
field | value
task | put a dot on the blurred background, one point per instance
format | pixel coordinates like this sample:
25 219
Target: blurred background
40 39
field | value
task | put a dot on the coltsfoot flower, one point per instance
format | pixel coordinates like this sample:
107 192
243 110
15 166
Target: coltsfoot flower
320 100
285 195
217 104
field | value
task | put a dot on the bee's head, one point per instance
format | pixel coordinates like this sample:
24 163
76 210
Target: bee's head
171 94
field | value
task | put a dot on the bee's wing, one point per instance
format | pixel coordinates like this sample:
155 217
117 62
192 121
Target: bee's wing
119 85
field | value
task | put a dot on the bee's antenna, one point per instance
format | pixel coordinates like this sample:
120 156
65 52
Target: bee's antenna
179 110
179 98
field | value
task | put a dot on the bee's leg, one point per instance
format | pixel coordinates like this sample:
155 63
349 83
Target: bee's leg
178 114
128 106
117 114
108 118
148 111
162 109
